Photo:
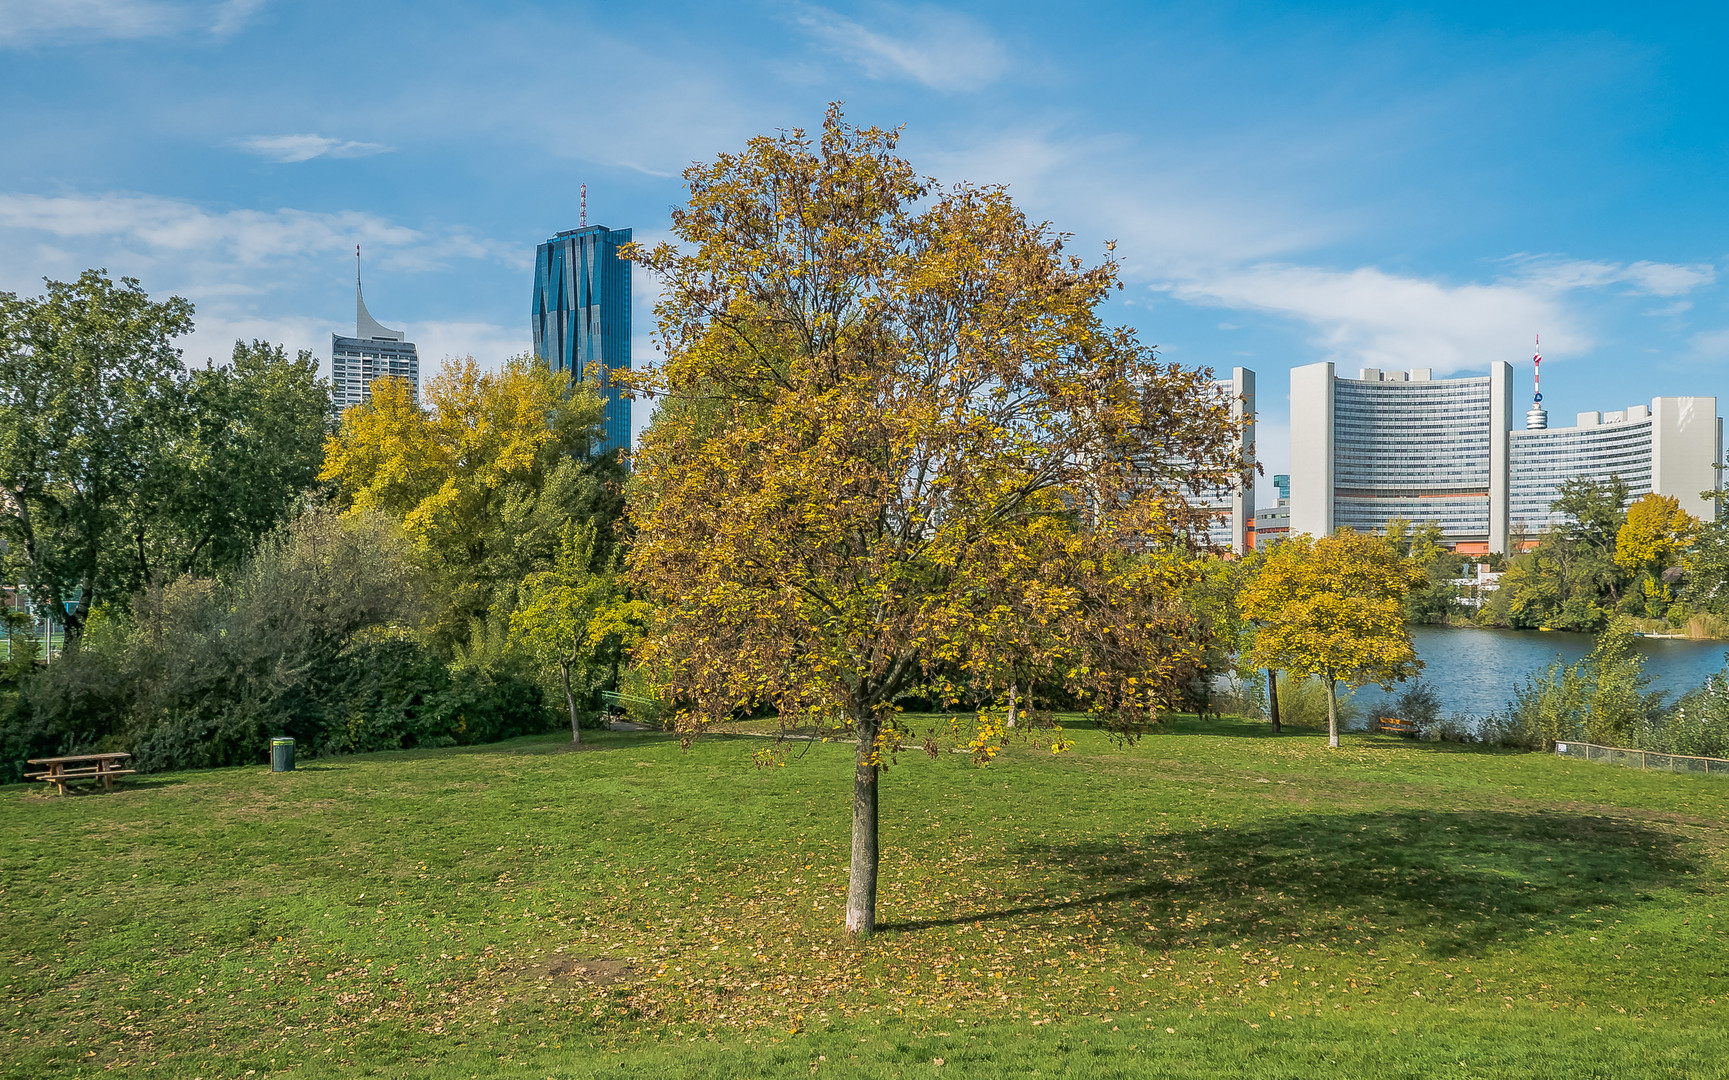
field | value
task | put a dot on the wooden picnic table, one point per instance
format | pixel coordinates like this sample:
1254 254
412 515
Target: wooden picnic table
61 771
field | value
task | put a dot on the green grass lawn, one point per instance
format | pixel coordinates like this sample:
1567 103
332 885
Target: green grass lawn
1213 901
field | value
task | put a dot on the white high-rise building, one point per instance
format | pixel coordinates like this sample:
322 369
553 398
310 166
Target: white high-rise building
1404 445
1668 447
1232 527
375 351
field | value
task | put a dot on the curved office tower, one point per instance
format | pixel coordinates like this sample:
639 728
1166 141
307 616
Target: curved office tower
1401 445
1398 445
581 314
1668 447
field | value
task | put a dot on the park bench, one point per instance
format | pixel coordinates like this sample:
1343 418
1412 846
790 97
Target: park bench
62 771
1392 725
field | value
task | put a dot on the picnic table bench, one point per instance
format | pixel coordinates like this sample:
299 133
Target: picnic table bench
1392 725
61 771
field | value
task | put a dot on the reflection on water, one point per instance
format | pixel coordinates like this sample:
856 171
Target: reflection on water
1475 671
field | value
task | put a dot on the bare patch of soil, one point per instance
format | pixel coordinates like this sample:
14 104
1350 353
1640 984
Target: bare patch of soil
588 971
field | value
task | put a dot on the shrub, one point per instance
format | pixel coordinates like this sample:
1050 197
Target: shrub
312 640
1420 703
1304 704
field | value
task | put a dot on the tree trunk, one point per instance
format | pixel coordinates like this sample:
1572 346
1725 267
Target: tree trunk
861 891
1332 709
1273 698
570 702
1014 700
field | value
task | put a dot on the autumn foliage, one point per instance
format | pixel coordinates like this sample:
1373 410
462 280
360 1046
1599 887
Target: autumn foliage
898 451
1334 607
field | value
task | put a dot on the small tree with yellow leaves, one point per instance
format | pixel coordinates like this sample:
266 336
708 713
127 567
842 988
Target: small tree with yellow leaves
1334 608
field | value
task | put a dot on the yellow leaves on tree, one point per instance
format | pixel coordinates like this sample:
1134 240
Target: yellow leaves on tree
1655 535
1333 607
898 452
483 475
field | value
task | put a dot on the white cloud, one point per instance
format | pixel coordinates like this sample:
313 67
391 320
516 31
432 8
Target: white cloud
216 331
287 149
1372 318
1711 345
489 343
940 49
63 22
1642 278
155 226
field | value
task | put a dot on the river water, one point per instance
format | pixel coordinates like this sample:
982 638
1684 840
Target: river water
1475 671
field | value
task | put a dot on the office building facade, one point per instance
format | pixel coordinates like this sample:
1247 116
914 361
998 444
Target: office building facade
581 316
1405 445
374 352
1232 526
1668 447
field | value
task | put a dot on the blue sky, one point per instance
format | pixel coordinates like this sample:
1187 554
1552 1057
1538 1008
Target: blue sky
1379 185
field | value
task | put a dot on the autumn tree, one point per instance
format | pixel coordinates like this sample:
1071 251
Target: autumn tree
895 442
482 477
1655 536
1334 608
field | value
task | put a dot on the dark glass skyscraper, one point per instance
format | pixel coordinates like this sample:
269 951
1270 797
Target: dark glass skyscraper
582 313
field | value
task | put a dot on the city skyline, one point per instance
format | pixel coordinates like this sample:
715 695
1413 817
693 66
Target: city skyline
1401 187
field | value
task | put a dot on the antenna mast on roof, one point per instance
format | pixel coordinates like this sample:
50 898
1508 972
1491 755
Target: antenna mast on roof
582 218
1537 418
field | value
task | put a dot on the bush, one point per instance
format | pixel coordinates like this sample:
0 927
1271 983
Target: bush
313 640
1420 703
1304 704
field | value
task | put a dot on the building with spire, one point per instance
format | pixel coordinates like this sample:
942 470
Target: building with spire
375 351
581 313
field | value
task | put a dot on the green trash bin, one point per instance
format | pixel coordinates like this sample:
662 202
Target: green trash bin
281 755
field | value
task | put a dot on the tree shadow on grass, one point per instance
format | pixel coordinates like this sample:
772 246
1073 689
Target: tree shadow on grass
1455 881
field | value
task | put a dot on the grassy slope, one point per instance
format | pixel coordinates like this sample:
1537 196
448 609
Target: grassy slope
1210 902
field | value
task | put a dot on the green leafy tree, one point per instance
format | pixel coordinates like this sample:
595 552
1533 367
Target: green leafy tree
896 434
1435 600
575 617
85 371
1571 580
1334 608
232 450
1707 569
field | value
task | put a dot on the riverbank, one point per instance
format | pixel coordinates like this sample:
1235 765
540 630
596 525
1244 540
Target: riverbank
1477 669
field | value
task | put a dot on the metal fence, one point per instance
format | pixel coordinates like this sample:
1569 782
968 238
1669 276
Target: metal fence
1644 759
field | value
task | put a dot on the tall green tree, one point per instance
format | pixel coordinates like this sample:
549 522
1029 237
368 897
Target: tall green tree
575 617
1435 600
899 433
85 370
1571 580
232 449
